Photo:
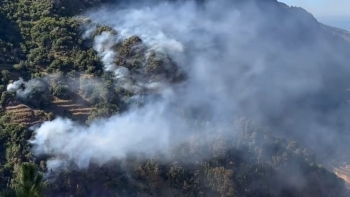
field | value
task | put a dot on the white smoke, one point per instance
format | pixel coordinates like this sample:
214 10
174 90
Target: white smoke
238 63
142 131
103 45
24 88
13 87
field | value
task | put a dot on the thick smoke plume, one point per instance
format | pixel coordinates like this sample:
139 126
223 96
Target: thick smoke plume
13 87
271 63
24 88
145 130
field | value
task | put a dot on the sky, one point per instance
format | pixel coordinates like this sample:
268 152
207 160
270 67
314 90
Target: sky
331 12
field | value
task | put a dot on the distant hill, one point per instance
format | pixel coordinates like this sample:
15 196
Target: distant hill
308 53
340 32
340 22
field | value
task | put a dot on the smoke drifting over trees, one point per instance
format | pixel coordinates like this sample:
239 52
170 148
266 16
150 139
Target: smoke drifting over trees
285 72
187 71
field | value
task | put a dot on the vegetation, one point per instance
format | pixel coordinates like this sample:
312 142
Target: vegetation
42 37
254 164
28 182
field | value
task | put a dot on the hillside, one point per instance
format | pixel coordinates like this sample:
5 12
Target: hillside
340 32
23 114
171 98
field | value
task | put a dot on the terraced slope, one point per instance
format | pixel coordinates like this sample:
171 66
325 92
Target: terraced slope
75 109
25 115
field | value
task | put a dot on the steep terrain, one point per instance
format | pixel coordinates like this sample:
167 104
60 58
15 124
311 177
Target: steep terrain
76 111
22 114
152 93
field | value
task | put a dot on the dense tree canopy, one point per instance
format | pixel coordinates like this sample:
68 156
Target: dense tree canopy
41 37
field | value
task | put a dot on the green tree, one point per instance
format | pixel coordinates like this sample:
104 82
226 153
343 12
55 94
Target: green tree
28 181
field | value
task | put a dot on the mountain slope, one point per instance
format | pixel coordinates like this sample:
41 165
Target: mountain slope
150 93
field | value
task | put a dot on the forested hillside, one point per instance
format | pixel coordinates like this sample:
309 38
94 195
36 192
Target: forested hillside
150 100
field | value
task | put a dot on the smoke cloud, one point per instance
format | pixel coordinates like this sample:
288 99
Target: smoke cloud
259 59
13 87
144 130
24 88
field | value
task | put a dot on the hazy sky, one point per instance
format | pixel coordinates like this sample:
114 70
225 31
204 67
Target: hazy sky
330 12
